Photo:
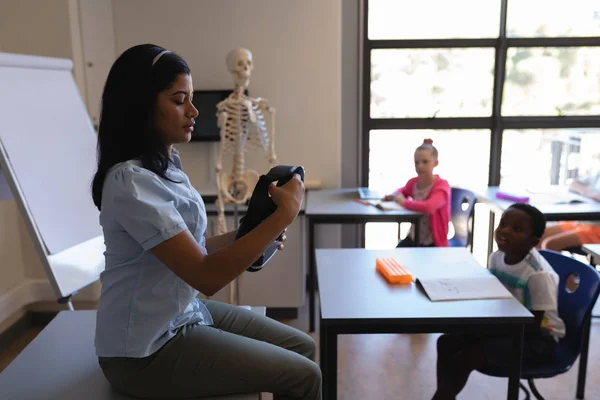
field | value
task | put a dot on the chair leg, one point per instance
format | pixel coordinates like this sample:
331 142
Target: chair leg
534 390
583 357
524 388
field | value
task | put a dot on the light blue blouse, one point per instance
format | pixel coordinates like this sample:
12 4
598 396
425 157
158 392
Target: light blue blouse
143 302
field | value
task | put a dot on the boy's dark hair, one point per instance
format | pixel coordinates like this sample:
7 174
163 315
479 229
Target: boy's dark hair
126 129
538 221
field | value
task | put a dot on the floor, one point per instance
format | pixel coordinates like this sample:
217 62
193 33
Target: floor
6 356
394 366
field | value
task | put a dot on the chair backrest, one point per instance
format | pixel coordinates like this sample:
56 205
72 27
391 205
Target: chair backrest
462 205
574 308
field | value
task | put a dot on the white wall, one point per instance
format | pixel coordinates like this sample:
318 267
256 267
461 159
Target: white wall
12 271
297 54
35 27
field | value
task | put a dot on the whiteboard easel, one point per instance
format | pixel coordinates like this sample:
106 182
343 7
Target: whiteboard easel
48 157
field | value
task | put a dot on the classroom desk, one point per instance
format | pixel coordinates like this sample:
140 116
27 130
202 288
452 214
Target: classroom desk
554 207
339 206
356 299
593 250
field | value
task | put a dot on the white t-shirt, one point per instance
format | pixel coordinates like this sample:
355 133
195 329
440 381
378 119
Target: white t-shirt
534 283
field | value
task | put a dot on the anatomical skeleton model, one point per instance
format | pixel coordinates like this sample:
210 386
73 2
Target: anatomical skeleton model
242 125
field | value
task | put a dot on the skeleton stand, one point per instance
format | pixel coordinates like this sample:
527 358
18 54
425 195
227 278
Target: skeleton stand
242 125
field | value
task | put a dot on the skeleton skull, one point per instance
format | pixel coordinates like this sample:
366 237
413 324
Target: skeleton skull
239 63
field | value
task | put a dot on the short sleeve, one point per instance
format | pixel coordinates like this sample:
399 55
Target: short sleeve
143 206
543 292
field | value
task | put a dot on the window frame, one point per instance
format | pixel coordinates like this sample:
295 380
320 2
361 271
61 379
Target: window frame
496 123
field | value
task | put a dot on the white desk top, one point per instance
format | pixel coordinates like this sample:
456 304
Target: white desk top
352 290
592 249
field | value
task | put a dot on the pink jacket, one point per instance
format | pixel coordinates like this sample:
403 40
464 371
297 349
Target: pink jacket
437 205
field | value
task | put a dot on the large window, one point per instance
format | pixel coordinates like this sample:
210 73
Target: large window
509 90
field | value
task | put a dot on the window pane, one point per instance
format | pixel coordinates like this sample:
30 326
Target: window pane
463 157
543 157
431 82
433 19
553 18
552 81
381 235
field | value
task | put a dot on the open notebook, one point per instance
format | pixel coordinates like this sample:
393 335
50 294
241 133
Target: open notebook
485 286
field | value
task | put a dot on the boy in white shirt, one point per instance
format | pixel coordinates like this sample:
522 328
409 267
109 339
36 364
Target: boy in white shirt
531 279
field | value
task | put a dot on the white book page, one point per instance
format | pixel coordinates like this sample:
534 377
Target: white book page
465 288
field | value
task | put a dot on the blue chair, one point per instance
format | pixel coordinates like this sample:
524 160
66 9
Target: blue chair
462 206
575 309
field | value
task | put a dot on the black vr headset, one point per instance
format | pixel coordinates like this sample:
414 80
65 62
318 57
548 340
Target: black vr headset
261 206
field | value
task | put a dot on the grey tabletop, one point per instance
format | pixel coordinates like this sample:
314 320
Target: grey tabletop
342 203
555 206
352 289
60 363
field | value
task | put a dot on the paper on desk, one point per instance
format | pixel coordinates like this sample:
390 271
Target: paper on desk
465 288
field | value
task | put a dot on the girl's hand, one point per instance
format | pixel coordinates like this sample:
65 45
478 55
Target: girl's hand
388 197
400 199
282 238
288 197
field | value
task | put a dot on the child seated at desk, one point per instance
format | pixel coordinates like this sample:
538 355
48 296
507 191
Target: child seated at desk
568 234
428 194
531 279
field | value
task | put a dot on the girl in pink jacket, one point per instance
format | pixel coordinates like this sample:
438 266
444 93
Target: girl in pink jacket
428 194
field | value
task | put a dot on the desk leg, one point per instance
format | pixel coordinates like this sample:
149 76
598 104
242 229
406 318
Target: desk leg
312 276
417 232
328 354
514 372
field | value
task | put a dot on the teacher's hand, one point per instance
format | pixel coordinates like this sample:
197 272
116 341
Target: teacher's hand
282 238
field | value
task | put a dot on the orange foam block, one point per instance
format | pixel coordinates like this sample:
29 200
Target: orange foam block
393 271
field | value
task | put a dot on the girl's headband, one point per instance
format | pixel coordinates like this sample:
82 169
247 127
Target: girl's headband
159 55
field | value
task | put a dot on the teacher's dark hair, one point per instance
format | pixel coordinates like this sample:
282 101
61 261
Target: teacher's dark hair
126 130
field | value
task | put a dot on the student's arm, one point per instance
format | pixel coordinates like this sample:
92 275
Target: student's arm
208 273
543 292
406 189
437 199
392 196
